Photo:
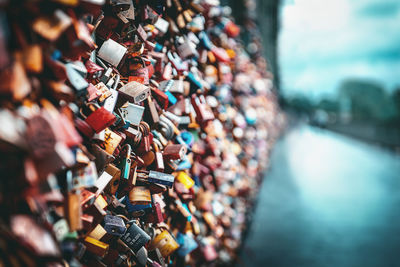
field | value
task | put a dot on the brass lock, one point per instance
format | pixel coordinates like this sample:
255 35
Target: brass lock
96 247
140 195
166 243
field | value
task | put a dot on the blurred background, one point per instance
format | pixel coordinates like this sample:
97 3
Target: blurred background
331 195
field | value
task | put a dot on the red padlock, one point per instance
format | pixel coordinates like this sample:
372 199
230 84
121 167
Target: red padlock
203 111
161 97
100 119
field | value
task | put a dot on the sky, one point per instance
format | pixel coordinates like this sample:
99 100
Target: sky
323 42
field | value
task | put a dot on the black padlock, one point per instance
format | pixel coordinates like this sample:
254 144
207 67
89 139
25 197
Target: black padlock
135 237
114 225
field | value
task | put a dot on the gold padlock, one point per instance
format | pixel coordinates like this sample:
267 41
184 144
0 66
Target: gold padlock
185 179
140 195
96 247
111 141
99 233
165 243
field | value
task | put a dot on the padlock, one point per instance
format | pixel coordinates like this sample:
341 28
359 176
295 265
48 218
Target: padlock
140 195
111 141
135 237
101 183
167 127
82 177
102 157
111 101
37 238
105 78
60 229
100 233
147 138
159 160
96 247
129 13
134 92
141 33
166 243
93 70
133 113
185 179
141 256
208 252
203 111
139 71
40 136
76 79
100 119
114 225
187 49
112 52
103 89
92 92
174 152
97 209
151 114
125 164
112 186
160 97
148 158
156 177
162 25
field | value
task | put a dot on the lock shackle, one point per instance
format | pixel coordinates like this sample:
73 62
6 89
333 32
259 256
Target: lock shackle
157 143
166 127
128 149
144 128
155 146
92 106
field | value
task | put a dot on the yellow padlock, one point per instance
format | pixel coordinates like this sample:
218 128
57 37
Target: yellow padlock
111 141
165 243
96 247
185 179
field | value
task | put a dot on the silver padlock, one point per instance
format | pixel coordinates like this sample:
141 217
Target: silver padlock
75 77
135 92
112 52
173 86
133 113
110 102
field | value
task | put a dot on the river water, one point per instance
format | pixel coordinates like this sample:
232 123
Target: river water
328 200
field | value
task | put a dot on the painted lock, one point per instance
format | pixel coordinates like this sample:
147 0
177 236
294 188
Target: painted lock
185 179
166 243
100 119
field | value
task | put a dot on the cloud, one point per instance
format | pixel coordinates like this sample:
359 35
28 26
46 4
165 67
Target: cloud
322 43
